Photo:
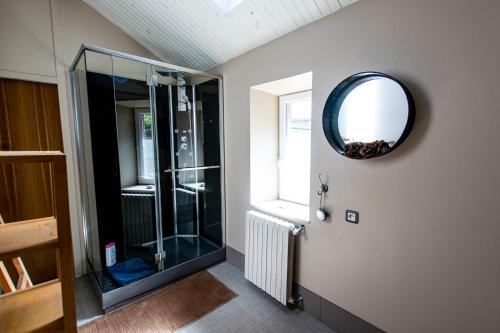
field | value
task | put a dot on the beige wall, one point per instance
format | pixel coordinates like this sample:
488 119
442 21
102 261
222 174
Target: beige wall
38 41
264 145
127 150
425 256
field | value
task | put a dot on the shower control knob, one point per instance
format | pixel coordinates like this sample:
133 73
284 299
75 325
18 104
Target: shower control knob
184 138
184 146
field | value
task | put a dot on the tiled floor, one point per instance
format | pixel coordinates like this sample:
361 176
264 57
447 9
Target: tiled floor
87 304
251 311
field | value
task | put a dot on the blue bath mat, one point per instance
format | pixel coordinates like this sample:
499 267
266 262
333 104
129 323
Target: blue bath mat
130 271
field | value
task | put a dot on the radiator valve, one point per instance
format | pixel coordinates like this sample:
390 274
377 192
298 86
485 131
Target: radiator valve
295 300
297 230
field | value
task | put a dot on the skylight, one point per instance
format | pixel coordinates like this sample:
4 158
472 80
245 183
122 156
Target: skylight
227 5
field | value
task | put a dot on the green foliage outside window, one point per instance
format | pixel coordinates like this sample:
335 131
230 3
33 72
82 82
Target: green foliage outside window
147 121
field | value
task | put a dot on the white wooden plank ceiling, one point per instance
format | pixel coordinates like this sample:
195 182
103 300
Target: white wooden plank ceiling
199 34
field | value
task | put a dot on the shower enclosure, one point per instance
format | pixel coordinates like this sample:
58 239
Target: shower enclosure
150 151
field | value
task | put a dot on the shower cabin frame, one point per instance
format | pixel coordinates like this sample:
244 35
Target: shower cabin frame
118 297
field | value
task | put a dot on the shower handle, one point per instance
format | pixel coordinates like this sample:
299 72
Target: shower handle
193 168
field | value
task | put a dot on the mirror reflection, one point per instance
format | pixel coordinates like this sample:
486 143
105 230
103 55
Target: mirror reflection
368 115
373 113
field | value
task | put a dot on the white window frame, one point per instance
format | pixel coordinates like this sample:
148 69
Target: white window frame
283 100
139 134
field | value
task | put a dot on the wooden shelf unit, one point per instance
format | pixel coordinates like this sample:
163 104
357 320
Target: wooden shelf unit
48 306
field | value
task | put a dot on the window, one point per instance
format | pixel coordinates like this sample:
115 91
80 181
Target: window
280 147
295 147
144 145
227 5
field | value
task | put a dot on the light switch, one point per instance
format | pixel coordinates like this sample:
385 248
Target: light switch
352 216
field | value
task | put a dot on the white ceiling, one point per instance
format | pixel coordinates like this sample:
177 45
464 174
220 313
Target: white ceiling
198 34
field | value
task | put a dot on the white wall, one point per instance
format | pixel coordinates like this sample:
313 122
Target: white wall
38 41
425 255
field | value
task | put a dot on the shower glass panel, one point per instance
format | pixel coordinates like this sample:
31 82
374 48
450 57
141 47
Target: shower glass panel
122 201
100 167
136 156
187 109
148 139
80 100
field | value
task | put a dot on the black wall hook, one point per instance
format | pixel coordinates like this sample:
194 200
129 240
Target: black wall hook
323 186
321 212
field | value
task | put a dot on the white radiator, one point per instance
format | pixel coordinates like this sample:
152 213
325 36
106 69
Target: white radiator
269 244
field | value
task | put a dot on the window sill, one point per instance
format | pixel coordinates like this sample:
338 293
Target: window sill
139 189
286 210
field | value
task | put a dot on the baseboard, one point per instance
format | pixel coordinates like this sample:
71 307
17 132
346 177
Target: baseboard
322 309
235 258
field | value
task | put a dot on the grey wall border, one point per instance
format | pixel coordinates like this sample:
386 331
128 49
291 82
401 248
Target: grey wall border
235 258
325 311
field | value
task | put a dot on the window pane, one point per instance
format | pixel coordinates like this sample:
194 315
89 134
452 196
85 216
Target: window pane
145 153
147 144
295 150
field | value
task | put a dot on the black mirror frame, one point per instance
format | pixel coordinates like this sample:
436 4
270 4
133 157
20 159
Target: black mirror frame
336 98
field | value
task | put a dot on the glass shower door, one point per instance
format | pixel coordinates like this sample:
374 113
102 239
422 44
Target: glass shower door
118 150
187 110
138 167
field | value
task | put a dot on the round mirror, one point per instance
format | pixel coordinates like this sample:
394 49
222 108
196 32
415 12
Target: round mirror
368 115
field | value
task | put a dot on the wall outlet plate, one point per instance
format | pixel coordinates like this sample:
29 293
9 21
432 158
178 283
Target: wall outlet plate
352 216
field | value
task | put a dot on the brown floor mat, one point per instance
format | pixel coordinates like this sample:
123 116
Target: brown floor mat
168 309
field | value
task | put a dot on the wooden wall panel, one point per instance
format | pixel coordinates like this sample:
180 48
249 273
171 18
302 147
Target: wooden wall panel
29 120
